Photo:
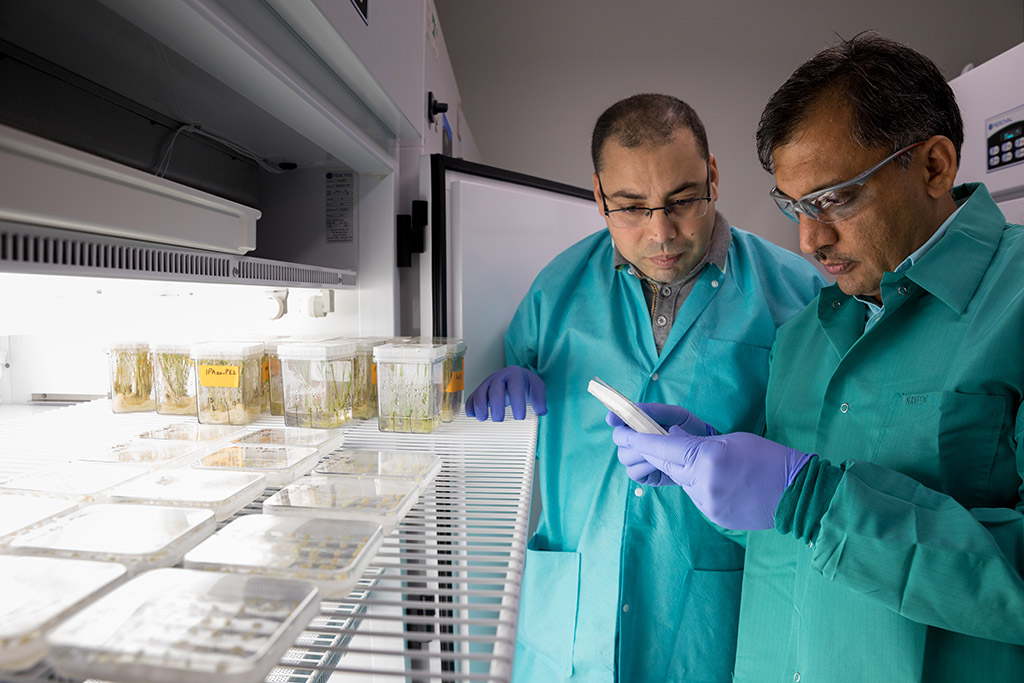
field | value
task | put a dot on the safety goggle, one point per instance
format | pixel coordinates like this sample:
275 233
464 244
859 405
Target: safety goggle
838 202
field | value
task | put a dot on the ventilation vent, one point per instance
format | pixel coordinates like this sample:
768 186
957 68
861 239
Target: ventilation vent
34 249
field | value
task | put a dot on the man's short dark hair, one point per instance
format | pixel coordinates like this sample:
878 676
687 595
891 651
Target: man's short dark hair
646 119
897 95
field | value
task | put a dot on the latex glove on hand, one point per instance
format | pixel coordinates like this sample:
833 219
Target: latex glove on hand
512 386
637 467
736 480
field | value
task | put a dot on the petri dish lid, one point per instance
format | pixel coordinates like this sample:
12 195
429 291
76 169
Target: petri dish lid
222 492
415 465
328 350
19 511
81 481
138 536
624 408
332 553
409 353
227 350
293 436
38 592
280 464
192 431
187 626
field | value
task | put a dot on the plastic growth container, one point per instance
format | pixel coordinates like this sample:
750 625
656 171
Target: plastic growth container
38 593
19 511
279 464
276 380
410 386
155 454
138 536
185 626
131 377
372 499
318 383
223 493
417 466
175 379
327 552
364 402
229 382
324 439
454 378
83 482
191 431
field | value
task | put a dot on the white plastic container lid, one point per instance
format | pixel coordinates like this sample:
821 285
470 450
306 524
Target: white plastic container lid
138 536
454 345
281 465
152 453
192 431
328 350
129 345
20 511
330 553
624 408
324 439
84 482
38 592
409 353
170 347
223 493
375 499
227 350
418 466
185 626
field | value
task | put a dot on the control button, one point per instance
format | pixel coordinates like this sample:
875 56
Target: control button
1019 142
1007 146
993 161
845 408
661 321
1019 154
994 149
1008 156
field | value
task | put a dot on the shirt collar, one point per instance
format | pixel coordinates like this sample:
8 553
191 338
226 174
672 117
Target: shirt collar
716 254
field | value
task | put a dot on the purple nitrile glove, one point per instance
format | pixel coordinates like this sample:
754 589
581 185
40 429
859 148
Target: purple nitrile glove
637 467
512 386
736 479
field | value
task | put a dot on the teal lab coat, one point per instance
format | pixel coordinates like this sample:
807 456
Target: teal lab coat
628 582
902 557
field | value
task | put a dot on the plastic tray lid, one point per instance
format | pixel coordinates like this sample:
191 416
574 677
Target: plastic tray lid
223 493
138 536
334 349
79 481
155 454
192 431
293 436
185 626
279 464
371 498
624 408
409 353
38 593
20 511
227 350
332 553
415 465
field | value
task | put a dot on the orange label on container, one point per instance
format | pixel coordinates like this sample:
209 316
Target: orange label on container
266 371
455 383
219 376
373 374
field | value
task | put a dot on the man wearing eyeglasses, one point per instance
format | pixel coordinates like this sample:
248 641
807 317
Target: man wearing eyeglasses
625 582
887 489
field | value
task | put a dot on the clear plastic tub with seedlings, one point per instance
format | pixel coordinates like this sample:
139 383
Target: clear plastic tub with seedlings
175 379
229 382
364 401
276 383
454 369
318 383
410 389
131 377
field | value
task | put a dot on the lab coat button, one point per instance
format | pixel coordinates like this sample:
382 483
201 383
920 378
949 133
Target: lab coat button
625 608
654 377
845 408
665 291
836 304
714 283
638 492
661 320
902 290
796 677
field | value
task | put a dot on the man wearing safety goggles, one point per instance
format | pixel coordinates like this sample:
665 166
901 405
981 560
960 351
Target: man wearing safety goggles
884 496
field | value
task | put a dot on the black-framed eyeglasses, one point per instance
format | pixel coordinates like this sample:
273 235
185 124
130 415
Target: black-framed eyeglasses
678 211
837 202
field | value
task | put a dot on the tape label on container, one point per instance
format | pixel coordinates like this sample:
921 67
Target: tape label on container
219 376
456 383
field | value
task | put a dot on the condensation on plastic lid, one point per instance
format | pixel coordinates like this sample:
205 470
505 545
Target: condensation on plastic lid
227 350
409 353
327 350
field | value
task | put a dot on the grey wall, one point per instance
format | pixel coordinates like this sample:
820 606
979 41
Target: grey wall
535 74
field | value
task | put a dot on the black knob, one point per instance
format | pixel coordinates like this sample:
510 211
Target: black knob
434 107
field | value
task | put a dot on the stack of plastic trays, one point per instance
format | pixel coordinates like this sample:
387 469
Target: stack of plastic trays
185 626
330 553
372 499
418 466
223 493
82 482
281 465
37 593
138 536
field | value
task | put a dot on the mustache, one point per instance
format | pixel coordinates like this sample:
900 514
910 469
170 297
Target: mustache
824 254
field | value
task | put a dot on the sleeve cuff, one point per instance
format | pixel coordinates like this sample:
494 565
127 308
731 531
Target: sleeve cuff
805 501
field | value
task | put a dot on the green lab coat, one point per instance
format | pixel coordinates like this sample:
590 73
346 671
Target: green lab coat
628 582
901 559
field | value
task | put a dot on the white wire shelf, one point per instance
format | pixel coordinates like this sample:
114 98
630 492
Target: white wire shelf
440 600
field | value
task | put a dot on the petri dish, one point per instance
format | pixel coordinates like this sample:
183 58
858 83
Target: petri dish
323 439
630 413
185 626
374 499
192 431
330 553
223 493
85 482
20 511
418 466
138 536
38 593
154 454
281 465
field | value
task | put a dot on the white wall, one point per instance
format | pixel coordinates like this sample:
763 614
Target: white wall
535 74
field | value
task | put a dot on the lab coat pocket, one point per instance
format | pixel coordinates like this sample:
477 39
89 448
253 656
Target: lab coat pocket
547 617
734 370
